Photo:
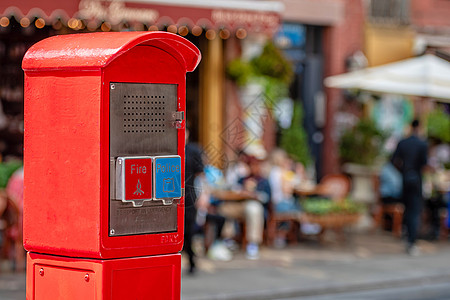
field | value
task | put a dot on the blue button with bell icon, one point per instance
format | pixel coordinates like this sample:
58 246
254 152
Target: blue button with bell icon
167 177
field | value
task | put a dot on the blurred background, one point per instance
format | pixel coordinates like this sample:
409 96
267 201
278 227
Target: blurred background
334 84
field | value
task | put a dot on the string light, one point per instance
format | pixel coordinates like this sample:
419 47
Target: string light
81 25
210 34
72 23
92 25
39 23
25 22
172 28
4 22
183 31
106 26
197 30
224 34
241 33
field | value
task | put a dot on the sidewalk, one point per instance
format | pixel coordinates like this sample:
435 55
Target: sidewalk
368 261
365 262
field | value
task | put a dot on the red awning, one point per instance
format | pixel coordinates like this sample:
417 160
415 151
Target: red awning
252 15
46 9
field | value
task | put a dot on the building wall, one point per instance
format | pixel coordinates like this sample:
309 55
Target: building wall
430 13
340 41
387 44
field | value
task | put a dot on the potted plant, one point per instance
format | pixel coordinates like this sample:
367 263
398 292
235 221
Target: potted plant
331 214
360 147
362 143
294 139
438 125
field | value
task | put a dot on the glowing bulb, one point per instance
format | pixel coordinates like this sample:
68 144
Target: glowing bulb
183 31
25 22
4 22
210 34
197 30
224 34
241 33
39 23
172 28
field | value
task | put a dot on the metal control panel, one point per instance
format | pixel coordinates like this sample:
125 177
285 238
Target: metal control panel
143 131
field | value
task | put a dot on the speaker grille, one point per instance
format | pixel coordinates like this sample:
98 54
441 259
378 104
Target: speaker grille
144 114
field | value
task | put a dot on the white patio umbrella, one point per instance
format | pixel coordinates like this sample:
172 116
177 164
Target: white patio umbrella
424 76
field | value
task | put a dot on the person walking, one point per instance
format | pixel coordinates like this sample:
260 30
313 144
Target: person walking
411 158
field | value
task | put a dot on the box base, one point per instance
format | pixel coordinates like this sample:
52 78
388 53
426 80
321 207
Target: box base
57 277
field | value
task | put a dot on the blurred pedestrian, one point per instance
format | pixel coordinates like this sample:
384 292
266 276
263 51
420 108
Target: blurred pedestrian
193 168
411 158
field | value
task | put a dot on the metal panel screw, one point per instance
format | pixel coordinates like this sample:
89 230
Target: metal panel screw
41 272
113 86
112 232
86 277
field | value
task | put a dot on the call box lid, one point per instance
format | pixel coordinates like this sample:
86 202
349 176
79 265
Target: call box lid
96 50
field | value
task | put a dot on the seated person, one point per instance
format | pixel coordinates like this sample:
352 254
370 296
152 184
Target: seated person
211 179
282 181
390 184
254 194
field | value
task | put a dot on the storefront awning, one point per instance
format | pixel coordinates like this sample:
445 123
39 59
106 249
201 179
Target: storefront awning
49 10
252 15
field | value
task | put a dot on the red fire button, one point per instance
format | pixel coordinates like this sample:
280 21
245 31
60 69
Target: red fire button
134 179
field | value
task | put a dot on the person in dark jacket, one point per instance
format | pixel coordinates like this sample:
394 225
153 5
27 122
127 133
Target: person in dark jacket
411 158
193 168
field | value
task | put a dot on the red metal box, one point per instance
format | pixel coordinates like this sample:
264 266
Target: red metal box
89 99
54 277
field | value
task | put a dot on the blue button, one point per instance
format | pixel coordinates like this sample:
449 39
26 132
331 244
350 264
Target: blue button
167 176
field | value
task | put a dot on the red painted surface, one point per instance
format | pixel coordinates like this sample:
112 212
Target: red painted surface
48 9
66 184
160 14
340 41
138 179
166 70
95 51
430 15
56 277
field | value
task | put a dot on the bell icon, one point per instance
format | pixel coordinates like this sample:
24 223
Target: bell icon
168 185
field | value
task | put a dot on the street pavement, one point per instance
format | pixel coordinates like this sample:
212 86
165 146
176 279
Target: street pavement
365 262
310 270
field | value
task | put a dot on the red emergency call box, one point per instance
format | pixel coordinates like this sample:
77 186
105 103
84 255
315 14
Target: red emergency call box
100 110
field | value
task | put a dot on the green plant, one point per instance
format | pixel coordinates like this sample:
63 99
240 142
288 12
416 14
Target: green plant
324 206
239 71
438 125
271 63
362 143
294 139
7 169
270 69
